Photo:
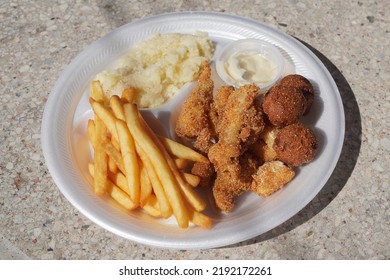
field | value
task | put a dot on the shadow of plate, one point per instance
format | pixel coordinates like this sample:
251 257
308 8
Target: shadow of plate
344 168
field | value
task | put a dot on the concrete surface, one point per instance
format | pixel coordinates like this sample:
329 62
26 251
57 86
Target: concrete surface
348 219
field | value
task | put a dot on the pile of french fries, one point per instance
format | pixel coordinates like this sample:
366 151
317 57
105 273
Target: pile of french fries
137 168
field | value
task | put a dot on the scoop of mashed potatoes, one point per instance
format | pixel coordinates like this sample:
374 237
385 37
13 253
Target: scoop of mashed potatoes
158 67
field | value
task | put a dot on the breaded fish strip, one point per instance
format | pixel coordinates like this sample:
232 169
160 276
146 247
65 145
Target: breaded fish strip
193 122
270 177
263 148
218 106
239 125
206 172
241 121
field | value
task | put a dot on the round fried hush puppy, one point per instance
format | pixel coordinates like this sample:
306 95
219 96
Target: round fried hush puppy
295 144
284 105
301 83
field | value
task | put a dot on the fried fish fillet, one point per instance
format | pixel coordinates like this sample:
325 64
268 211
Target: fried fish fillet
239 125
193 122
205 171
263 147
240 120
270 177
218 106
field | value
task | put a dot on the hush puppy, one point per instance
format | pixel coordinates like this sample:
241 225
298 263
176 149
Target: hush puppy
295 144
301 83
284 105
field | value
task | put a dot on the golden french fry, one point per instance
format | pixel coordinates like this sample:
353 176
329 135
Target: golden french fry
166 211
146 186
116 193
165 207
191 179
97 92
188 192
130 160
128 94
119 180
100 157
162 169
152 206
153 201
192 197
110 149
200 219
181 163
112 163
115 143
117 107
106 116
181 151
115 156
112 167
122 198
91 132
137 168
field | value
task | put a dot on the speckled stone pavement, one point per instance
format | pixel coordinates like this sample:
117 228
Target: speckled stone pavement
348 219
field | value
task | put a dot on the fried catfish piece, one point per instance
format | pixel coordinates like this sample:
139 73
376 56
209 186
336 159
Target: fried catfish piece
241 120
236 180
270 177
263 148
193 122
218 106
239 125
205 171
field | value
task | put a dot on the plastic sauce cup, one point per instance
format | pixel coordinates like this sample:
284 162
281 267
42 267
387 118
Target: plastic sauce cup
250 61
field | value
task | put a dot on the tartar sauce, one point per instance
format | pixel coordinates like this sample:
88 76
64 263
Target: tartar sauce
250 67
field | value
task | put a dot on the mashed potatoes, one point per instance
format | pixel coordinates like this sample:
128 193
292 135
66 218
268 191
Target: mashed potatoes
158 67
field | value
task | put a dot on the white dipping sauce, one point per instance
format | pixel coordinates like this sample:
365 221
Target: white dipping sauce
250 67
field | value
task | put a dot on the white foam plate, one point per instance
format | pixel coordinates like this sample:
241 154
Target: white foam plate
66 150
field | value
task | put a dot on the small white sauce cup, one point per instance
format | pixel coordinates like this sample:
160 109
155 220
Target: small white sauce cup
267 50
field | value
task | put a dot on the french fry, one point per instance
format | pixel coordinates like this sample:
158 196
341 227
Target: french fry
97 92
110 149
130 160
106 116
164 173
100 157
165 207
200 219
116 193
115 156
112 166
146 186
189 193
192 197
181 163
122 198
117 107
115 143
128 95
119 180
91 132
152 206
180 151
137 168
191 179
